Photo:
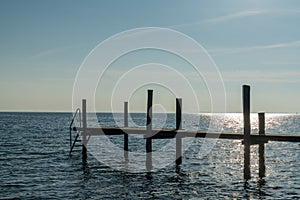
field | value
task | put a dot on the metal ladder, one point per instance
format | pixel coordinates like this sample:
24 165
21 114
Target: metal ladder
73 129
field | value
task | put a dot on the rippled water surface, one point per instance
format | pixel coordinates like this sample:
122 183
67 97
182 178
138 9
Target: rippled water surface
35 162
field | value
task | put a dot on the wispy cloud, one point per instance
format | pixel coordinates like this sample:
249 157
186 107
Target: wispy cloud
238 15
254 48
223 18
280 76
53 51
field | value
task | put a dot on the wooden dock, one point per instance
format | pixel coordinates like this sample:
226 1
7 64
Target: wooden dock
177 133
173 133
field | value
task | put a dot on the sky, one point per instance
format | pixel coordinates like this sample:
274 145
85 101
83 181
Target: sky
44 43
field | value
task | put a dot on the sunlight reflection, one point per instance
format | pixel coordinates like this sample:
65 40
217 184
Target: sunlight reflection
274 122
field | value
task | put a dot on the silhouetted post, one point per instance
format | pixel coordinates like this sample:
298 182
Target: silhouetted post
178 127
125 134
149 132
261 123
247 130
84 125
261 146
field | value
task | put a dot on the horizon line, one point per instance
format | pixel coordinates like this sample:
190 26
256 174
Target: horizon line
144 112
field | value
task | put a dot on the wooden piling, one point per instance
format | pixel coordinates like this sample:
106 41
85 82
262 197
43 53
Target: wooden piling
178 127
125 134
84 126
261 123
247 131
261 146
149 132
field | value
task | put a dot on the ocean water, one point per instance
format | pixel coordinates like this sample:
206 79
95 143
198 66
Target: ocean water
35 162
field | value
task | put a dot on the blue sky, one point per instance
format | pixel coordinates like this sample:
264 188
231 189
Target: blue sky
43 44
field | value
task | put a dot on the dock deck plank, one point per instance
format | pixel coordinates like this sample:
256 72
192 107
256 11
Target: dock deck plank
172 133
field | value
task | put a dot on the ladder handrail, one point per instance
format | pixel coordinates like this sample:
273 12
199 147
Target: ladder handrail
70 127
71 149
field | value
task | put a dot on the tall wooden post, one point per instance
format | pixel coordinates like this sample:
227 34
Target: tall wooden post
261 146
261 123
247 131
178 127
149 132
84 126
125 134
